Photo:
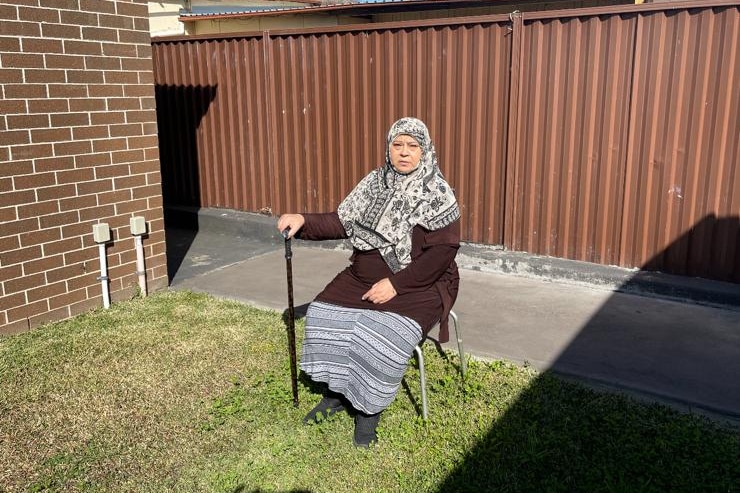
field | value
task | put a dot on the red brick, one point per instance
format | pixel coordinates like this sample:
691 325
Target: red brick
37 15
60 4
85 76
63 31
80 256
47 317
115 104
142 24
99 34
43 46
27 121
147 191
35 180
16 168
42 265
112 171
141 116
22 29
19 256
50 135
72 148
13 300
132 9
83 48
56 192
8 12
14 44
144 51
117 21
105 90
114 197
109 145
138 90
98 6
6 185
146 77
97 212
38 209
31 151
10 272
12 106
62 246
85 280
25 91
131 156
126 130
46 292
145 167
76 176
131 206
122 77
60 219
85 306
11 76
15 198
40 236
24 283
67 299
119 50
137 64
65 61
69 119
102 63
78 203
88 160
129 181
91 132
79 18
67 90
109 117
93 187
15 137
81 229
9 243
134 37
48 106
143 142
8 214
87 104
46 76
55 163
4 152
14 328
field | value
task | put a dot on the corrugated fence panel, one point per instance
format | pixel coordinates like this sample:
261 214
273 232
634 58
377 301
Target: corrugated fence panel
571 145
210 105
682 207
336 94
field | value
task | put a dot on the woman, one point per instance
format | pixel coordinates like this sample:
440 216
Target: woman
403 222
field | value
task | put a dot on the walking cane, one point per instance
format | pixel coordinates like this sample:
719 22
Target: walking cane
291 318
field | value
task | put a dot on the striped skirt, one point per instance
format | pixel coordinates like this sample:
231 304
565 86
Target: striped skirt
361 354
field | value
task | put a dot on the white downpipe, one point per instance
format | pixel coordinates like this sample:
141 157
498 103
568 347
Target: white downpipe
140 269
104 275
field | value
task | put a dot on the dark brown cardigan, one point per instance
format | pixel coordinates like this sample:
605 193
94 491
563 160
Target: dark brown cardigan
427 287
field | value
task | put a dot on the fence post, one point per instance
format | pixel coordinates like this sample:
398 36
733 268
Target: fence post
512 131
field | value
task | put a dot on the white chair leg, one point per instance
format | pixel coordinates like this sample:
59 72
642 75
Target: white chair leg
422 376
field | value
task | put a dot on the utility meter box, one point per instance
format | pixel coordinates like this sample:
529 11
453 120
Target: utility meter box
138 225
101 233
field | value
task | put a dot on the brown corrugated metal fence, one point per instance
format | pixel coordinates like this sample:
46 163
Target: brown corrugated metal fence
608 135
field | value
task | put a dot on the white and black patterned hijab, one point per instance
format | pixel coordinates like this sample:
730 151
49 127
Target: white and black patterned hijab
384 207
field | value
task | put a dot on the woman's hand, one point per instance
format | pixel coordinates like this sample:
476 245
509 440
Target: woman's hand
381 292
293 221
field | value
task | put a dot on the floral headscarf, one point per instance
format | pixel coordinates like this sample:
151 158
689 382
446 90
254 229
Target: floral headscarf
384 207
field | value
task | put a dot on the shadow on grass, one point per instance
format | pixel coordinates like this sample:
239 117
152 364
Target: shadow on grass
559 436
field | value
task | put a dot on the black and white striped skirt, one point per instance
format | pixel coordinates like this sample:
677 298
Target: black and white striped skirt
361 354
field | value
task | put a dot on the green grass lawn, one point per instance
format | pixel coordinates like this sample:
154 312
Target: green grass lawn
182 392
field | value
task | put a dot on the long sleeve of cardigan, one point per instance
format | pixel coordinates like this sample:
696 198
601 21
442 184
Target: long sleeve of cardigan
322 226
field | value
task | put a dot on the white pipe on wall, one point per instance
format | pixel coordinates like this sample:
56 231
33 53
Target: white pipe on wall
140 270
104 275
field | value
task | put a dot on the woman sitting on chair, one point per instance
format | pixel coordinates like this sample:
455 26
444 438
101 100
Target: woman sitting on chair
403 222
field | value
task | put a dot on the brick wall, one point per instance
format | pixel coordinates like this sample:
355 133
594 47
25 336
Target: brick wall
78 146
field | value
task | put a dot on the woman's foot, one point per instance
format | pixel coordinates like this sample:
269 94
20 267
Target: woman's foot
326 407
366 426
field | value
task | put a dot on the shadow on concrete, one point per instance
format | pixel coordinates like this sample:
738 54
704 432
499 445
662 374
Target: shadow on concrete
558 436
179 113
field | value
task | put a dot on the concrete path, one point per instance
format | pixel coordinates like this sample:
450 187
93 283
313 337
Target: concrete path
683 354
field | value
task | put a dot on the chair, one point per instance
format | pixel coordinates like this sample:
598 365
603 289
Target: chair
420 360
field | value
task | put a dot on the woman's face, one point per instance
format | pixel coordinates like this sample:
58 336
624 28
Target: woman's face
405 153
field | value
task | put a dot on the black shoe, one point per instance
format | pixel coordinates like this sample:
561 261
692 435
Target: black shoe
366 429
325 408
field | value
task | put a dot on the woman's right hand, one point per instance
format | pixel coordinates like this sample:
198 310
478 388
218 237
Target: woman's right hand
293 221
